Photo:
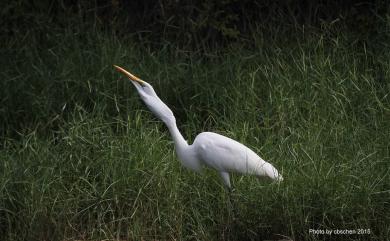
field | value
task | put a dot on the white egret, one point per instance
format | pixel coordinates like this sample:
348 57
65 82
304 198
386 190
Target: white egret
209 149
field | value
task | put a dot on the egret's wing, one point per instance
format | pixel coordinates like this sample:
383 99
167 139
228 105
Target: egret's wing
225 154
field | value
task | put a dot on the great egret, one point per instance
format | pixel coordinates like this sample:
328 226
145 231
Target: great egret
209 149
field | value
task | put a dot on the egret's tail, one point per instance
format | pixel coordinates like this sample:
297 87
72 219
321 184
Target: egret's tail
271 172
280 178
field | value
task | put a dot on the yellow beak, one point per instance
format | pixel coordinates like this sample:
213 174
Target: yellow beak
129 75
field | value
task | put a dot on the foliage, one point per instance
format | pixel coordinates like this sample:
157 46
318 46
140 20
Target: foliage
82 158
194 24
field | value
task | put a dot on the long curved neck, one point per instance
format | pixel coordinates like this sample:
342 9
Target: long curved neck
185 153
178 139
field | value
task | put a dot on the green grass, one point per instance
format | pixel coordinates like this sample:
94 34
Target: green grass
82 157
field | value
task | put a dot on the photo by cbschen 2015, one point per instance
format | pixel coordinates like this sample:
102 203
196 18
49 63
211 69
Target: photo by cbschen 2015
258 120
358 231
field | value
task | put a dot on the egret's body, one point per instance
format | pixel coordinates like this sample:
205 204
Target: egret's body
209 149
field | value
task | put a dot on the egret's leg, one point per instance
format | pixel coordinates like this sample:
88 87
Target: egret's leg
232 207
226 179
232 204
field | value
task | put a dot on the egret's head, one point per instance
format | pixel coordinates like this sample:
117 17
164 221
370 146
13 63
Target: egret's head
149 96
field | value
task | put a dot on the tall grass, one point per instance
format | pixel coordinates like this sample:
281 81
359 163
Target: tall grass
82 157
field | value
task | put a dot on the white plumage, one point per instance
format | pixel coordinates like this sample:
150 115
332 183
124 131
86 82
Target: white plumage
209 149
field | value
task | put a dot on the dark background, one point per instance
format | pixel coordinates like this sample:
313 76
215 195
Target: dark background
195 24
304 83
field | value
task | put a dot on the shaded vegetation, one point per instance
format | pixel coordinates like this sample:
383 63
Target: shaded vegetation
82 158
